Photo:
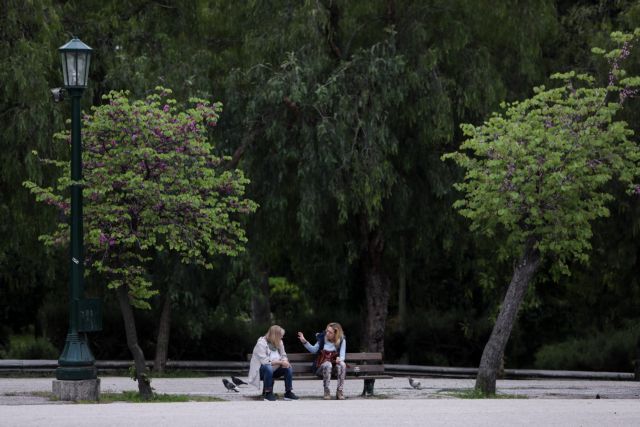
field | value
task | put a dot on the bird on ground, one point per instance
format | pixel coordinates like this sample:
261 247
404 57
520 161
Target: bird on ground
230 386
238 381
415 384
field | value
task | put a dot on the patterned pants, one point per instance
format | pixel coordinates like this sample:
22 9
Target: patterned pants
340 370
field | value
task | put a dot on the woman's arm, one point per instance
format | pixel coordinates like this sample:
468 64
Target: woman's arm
281 350
343 349
309 347
260 350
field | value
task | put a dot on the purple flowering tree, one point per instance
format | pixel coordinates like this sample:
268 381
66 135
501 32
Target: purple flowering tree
537 175
151 184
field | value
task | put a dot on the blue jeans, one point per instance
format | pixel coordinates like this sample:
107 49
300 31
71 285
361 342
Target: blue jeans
267 374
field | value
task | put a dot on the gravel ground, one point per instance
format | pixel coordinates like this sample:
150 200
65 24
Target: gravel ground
15 391
25 402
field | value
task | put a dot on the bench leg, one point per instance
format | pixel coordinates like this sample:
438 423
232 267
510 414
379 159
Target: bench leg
368 387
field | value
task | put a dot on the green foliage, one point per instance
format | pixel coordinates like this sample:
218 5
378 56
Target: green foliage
477 394
453 62
287 299
539 171
145 376
30 33
343 117
29 347
606 350
219 336
342 124
151 185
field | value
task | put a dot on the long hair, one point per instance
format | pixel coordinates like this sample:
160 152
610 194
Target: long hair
274 335
339 333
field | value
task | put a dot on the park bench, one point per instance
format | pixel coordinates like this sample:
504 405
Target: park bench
360 366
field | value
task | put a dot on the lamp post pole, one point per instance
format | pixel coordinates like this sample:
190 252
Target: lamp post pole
76 361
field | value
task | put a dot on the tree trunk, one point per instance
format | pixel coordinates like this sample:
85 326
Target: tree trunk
260 306
494 350
144 383
402 292
402 303
164 330
636 372
377 284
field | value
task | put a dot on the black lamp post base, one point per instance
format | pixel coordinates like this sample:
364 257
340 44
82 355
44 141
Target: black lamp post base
76 373
76 361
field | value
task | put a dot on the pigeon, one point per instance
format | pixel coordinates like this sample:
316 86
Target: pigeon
230 386
415 384
237 381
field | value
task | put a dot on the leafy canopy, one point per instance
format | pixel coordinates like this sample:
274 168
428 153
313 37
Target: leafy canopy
151 183
539 171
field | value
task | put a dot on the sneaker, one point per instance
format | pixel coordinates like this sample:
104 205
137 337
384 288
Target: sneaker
327 394
290 396
270 396
339 395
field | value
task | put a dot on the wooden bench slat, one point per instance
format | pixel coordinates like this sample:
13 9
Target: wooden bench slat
307 367
364 356
349 377
350 357
301 357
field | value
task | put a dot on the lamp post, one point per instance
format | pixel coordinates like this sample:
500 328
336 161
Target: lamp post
76 361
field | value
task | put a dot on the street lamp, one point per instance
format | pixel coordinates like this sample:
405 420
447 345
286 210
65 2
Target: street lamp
76 363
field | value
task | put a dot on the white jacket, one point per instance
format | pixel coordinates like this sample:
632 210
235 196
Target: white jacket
262 356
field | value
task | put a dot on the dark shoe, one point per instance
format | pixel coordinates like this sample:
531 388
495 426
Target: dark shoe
290 396
339 395
270 396
327 394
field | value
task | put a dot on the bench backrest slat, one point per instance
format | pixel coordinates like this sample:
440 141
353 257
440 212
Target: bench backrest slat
351 357
299 368
365 356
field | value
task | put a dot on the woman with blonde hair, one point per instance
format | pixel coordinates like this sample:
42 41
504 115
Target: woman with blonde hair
331 348
269 361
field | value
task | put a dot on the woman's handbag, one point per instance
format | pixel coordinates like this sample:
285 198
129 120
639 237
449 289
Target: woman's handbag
326 356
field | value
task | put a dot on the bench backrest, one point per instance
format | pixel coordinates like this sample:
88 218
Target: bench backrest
367 363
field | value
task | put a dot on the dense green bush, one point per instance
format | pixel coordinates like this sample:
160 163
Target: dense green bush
287 299
609 350
29 347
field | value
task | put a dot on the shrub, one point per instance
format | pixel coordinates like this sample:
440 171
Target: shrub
610 350
30 347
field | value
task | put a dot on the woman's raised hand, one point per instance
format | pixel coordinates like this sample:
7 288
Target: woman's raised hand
301 338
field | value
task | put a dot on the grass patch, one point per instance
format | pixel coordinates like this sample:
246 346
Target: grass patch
46 394
134 397
472 393
179 373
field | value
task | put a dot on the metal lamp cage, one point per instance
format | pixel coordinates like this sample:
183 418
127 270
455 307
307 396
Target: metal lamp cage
76 57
